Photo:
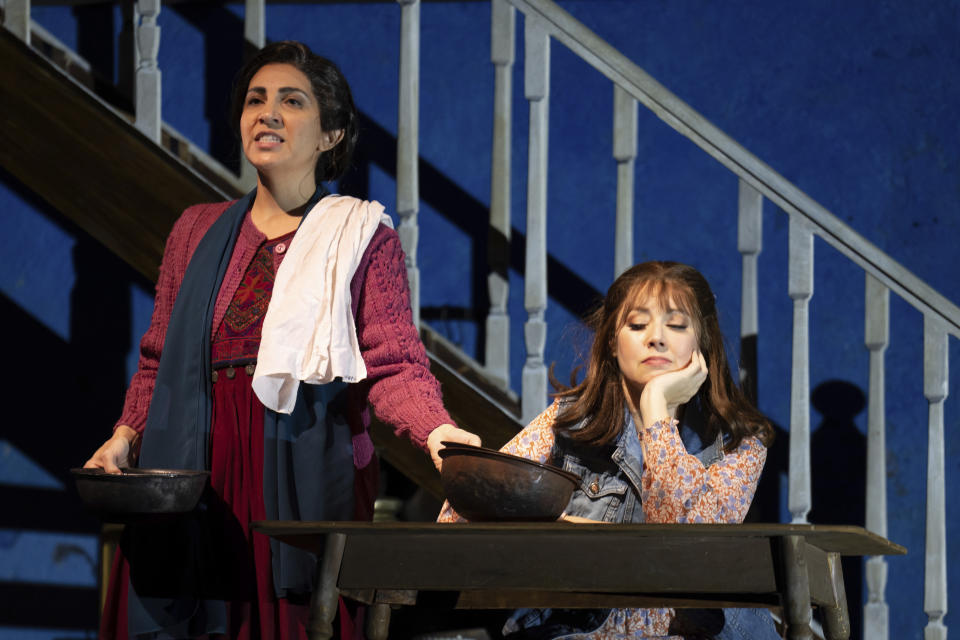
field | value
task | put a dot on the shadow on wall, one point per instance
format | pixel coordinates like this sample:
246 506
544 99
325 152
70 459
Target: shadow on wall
223 51
838 477
222 55
839 467
64 396
377 147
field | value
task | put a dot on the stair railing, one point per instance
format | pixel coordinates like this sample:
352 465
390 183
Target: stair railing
408 141
16 18
544 20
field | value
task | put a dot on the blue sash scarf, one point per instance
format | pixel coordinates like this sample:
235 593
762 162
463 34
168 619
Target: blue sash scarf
182 569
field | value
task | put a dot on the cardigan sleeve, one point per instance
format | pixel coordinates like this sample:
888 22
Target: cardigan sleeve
402 390
677 488
182 241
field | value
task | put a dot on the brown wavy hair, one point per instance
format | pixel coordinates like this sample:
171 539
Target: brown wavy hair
599 399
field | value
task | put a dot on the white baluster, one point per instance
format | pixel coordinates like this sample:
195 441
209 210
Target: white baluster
16 18
254 35
255 23
876 337
148 73
624 152
935 379
537 90
502 37
408 180
749 244
801 289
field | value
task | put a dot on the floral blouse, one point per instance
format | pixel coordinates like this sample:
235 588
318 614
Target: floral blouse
675 488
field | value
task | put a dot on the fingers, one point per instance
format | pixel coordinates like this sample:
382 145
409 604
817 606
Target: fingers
679 386
459 435
110 465
580 519
101 461
448 433
109 456
698 362
701 361
697 367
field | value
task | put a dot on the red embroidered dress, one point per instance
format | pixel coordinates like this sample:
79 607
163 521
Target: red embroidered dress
237 340
399 386
236 448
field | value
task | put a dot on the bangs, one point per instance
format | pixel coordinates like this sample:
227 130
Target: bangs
667 294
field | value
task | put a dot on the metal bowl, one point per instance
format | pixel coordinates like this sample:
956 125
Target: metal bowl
486 485
139 492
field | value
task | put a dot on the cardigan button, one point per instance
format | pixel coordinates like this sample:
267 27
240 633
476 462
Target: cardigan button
280 248
215 375
231 373
250 368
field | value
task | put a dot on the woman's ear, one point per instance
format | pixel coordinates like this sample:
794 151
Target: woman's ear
329 139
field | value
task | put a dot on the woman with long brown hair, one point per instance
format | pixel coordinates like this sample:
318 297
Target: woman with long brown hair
658 431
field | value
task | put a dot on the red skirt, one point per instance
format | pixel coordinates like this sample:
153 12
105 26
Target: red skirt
236 475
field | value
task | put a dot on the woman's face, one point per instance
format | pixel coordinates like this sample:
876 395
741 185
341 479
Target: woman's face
280 125
653 341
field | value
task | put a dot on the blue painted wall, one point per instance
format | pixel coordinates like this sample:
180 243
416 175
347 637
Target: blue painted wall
856 103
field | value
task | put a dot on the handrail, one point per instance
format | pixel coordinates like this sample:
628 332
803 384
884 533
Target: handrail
807 218
686 121
545 19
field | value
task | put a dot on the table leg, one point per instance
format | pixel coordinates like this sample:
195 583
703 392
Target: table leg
325 598
836 619
378 621
796 607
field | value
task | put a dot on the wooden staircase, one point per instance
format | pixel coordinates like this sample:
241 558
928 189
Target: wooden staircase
87 160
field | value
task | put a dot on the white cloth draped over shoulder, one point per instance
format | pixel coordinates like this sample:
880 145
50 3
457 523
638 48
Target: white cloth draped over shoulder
309 333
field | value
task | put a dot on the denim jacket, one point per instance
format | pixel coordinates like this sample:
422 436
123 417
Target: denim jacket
609 490
609 487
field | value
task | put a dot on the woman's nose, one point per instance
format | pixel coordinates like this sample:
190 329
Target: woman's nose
271 118
654 335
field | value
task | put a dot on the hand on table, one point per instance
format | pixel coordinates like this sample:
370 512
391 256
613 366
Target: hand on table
581 520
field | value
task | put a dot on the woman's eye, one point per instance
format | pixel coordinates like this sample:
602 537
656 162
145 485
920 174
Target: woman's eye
636 326
253 100
678 327
295 102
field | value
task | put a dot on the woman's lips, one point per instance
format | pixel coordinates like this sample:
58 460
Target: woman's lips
656 360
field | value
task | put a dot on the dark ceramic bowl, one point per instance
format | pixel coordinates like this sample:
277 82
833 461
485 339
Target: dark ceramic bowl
486 485
139 492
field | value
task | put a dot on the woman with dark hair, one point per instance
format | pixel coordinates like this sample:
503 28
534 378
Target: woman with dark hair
277 318
658 432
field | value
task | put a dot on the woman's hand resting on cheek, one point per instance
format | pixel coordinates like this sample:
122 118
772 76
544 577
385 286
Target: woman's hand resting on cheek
663 394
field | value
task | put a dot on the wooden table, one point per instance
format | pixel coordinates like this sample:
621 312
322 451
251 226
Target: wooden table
560 564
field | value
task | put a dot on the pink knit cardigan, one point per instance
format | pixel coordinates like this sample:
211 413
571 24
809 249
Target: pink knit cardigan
402 390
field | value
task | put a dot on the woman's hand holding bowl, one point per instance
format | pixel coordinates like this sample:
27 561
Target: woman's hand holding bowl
115 453
448 433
